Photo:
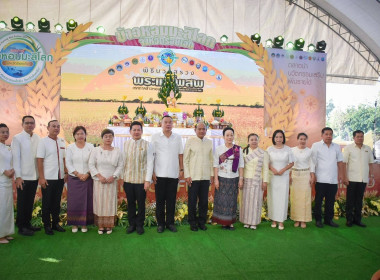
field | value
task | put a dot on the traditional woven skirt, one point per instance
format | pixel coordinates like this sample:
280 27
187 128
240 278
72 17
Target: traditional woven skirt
79 202
300 196
7 222
251 202
105 204
225 201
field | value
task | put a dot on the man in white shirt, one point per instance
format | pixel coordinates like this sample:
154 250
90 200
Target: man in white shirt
359 172
198 165
53 175
328 160
168 167
24 149
137 175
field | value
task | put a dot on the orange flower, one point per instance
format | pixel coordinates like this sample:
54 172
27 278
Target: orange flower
311 104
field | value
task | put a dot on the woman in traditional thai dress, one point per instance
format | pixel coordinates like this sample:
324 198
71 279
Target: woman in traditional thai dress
256 169
80 184
280 161
106 164
302 178
7 226
228 174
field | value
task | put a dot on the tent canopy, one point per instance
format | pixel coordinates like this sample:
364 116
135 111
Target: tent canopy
270 18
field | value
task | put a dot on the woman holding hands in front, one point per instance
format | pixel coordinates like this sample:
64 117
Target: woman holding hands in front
280 161
106 164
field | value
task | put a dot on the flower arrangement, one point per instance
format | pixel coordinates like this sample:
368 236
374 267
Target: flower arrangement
169 91
217 113
146 120
371 207
181 211
198 112
123 110
140 110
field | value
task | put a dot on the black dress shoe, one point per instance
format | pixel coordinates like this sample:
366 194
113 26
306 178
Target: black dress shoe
57 227
231 228
172 228
202 227
49 231
140 230
131 229
34 228
360 224
349 224
331 224
193 228
160 229
26 232
319 224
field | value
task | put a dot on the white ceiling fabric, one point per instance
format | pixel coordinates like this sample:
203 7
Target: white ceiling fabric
217 17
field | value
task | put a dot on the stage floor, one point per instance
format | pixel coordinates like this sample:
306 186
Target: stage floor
295 253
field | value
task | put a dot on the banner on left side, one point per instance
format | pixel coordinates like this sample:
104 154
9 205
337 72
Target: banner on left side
23 57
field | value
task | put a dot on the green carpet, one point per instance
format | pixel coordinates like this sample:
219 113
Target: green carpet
266 253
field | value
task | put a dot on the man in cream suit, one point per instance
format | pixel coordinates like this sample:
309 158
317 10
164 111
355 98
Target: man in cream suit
138 169
198 161
359 172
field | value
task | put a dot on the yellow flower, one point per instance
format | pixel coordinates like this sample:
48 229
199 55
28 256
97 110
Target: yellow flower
377 204
141 98
124 97
263 213
199 101
36 211
173 110
218 101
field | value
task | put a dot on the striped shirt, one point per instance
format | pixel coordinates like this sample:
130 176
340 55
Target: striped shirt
138 161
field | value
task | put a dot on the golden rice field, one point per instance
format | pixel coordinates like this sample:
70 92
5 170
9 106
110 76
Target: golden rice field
95 115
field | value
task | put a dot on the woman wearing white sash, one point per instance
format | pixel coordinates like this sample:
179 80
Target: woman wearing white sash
256 163
302 176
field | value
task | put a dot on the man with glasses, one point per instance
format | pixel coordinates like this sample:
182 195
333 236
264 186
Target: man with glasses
24 149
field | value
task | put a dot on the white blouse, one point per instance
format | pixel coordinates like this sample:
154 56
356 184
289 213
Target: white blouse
107 163
53 153
280 158
303 159
5 164
225 168
77 158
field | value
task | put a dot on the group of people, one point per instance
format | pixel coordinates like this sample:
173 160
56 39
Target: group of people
92 175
